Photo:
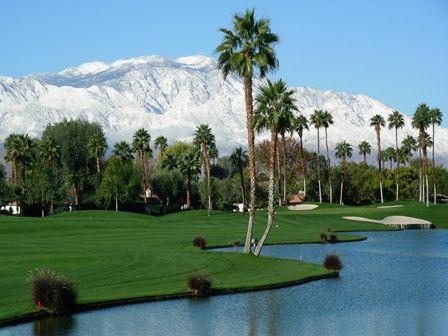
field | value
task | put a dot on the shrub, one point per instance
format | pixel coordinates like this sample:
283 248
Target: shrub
329 229
199 242
332 262
52 291
323 237
200 284
333 238
236 242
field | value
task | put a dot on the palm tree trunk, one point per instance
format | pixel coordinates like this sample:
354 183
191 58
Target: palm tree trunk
434 163
207 172
425 158
397 152
243 191
187 191
303 166
342 183
272 155
330 187
365 158
284 166
116 199
277 151
14 173
318 166
380 173
420 180
251 155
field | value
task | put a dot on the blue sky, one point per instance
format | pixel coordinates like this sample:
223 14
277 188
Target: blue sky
395 51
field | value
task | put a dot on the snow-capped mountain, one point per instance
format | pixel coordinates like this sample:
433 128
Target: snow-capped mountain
172 97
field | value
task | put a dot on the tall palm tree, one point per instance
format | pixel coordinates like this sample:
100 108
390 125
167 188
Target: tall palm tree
11 147
377 121
389 154
247 49
421 121
343 151
317 120
435 116
285 125
275 108
123 151
364 149
142 148
409 145
301 124
23 159
205 140
97 146
327 122
189 166
161 143
49 151
396 121
239 161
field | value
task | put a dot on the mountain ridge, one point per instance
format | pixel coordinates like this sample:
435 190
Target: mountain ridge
171 97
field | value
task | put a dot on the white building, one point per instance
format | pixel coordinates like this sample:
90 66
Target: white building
12 207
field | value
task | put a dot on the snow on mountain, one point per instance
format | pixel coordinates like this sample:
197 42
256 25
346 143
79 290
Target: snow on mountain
172 97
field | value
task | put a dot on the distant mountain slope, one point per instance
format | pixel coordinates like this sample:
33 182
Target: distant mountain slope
171 97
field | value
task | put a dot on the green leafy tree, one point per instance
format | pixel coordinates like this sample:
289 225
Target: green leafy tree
377 121
275 108
247 49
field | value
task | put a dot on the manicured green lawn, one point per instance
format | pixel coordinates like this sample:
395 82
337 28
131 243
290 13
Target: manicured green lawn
124 255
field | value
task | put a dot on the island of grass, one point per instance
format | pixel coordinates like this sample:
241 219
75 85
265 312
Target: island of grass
120 256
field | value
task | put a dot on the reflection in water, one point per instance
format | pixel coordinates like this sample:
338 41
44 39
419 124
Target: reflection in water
392 284
54 326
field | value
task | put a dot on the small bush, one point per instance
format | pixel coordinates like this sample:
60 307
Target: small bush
323 237
332 262
199 242
200 284
236 242
333 238
52 291
329 229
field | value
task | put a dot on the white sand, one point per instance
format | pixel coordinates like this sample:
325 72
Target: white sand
391 220
388 206
302 207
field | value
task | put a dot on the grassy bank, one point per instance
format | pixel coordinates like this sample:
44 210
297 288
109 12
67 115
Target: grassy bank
123 255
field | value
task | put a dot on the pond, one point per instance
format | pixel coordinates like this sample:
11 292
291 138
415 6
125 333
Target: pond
394 283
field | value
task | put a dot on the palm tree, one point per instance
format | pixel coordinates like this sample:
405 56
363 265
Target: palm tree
97 146
246 48
301 124
421 121
389 154
205 140
396 121
435 116
364 149
161 143
49 151
285 125
189 166
11 146
123 151
327 121
142 148
377 121
409 145
275 108
23 158
317 120
343 151
239 161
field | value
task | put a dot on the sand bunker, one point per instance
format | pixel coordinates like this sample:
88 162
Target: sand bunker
302 207
388 206
392 220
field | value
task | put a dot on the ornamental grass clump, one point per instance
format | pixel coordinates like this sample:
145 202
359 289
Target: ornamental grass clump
323 237
52 291
332 262
199 242
200 284
333 238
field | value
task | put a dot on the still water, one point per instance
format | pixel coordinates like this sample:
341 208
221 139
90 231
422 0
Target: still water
394 283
